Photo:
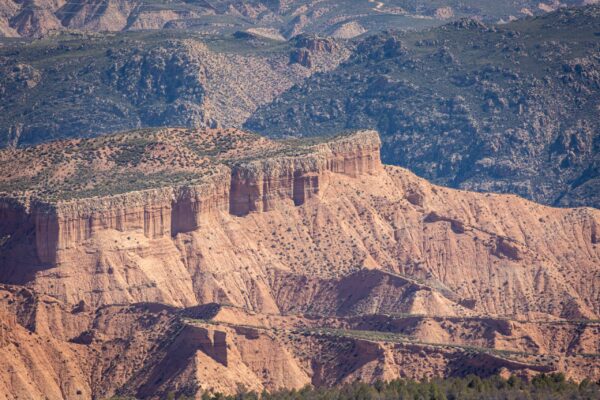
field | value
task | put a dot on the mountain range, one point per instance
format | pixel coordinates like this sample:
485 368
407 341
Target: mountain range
507 108
275 18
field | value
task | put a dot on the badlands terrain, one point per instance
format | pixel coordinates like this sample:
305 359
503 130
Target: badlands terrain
187 261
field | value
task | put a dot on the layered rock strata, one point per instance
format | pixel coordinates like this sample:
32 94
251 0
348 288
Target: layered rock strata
253 186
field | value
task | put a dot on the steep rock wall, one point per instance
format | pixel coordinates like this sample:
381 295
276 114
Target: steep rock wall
261 185
255 186
190 204
469 253
13 214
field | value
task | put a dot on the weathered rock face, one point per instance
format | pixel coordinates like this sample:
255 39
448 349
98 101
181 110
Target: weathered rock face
255 186
63 226
156 213
13 215
302 57
262 185
306 46
313 43
241 235
190 204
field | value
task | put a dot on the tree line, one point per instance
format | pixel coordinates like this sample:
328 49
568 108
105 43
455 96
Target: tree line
541 387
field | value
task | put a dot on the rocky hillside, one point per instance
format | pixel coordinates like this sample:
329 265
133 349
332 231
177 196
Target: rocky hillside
276 263
478 114
274 18
82 85
505 108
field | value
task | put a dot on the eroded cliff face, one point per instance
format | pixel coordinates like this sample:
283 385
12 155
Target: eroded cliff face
254 186
264 185
155 213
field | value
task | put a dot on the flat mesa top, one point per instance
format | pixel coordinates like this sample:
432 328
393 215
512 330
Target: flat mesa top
123 162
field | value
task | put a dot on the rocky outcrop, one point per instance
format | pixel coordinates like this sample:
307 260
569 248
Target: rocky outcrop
317 214
504 248
314 43
258 189
307 45
254 186
63 225
212 342
189 204
456 225
260 185
302 57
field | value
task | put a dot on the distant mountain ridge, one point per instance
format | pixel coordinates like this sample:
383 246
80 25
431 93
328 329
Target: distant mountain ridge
508 108
287 18
80 85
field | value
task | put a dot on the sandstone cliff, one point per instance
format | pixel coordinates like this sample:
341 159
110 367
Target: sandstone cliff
259 185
